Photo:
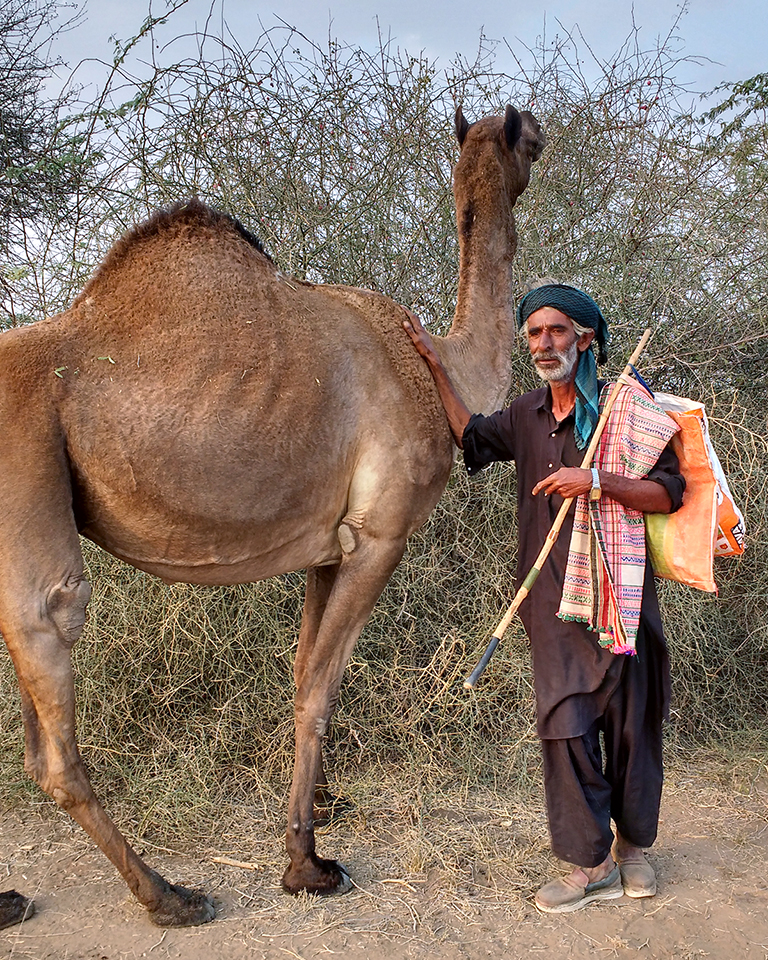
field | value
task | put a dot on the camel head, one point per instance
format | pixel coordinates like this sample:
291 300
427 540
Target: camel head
496 153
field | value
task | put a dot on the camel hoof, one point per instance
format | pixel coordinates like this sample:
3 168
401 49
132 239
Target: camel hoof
180 907
14 908
328 878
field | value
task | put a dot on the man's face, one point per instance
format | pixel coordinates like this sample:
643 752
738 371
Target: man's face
554 344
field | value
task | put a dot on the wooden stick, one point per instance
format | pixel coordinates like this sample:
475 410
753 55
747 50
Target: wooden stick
525 589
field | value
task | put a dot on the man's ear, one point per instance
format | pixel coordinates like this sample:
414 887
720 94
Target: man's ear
585 340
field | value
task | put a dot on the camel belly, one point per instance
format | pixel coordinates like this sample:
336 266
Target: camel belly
219 546
199 516
217 568
207 503
207 519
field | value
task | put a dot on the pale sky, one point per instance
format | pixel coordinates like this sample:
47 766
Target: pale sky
728 39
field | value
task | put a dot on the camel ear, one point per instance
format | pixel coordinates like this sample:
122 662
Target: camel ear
461 126
513 125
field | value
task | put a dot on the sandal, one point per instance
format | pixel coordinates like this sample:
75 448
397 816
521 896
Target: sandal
565 896
637 876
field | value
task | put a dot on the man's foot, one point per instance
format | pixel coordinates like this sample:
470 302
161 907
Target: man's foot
637 875
575 891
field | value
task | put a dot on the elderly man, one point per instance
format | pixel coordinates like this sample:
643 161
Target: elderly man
584 684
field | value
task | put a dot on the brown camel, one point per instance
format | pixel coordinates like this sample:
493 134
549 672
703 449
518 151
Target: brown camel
208 420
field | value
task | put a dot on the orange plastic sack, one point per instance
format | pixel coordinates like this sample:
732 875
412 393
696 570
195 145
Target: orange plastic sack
682 545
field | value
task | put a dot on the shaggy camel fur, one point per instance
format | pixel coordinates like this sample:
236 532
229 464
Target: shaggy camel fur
207 420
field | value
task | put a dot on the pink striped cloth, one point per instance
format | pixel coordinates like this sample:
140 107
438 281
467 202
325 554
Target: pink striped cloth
604 575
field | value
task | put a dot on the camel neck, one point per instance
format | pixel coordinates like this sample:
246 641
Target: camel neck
477 350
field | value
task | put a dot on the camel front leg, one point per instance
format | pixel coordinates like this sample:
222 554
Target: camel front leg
357 585
39 634
320 582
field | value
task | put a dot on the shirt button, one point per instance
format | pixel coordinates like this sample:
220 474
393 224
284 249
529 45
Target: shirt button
552 434
550 466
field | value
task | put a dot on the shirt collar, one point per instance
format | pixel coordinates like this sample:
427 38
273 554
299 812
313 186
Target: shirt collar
541 399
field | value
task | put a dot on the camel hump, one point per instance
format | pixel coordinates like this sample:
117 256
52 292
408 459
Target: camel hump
188 220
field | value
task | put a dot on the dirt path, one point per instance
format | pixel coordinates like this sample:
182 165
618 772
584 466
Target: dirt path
712 900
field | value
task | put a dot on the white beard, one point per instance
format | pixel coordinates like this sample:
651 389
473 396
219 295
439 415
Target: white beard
567 361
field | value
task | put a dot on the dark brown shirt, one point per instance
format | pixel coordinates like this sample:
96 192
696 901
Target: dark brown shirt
573 675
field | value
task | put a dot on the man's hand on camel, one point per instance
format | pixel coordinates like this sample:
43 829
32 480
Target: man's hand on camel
421 339
567 481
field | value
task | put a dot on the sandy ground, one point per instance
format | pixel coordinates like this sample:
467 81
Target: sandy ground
712 899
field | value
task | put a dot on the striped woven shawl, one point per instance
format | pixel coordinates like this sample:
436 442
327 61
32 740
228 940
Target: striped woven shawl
604 575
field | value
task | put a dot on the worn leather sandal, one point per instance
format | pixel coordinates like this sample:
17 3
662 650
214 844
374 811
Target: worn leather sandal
564 896
637 877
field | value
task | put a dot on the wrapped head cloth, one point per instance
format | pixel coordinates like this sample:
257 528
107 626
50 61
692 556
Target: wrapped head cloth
583 310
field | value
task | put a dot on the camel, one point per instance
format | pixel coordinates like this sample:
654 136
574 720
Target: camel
205 418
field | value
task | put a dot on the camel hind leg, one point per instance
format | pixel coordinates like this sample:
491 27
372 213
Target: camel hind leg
43 599
320 580
324 650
